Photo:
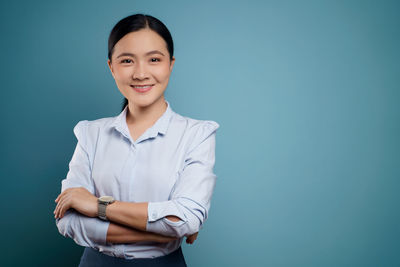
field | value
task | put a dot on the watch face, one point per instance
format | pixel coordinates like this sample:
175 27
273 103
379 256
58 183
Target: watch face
106 198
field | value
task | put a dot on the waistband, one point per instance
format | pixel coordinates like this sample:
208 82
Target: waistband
92 257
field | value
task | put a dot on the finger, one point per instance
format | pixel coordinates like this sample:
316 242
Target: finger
62 194
58 197
56 210
64 207
190 239
60 206
64 198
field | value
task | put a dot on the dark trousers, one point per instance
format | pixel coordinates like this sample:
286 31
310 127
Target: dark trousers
93 258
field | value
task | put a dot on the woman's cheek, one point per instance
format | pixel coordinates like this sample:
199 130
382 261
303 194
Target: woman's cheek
125 73
163 74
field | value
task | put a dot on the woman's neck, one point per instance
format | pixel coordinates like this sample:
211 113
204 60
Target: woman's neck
148 115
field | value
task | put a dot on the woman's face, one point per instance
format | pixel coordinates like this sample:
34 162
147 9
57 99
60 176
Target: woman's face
141 66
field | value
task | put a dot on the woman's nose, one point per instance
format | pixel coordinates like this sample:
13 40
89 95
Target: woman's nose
139 72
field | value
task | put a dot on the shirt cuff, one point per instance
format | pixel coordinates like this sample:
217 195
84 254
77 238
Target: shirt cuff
100 232
88 231
158 210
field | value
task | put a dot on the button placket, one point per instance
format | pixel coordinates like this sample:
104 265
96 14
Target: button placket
134 152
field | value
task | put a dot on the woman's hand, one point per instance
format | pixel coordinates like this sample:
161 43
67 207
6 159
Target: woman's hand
78 198
191 238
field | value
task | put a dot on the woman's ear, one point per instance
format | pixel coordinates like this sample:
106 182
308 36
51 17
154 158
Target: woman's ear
110 67
172 63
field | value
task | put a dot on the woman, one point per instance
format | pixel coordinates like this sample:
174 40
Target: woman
140 182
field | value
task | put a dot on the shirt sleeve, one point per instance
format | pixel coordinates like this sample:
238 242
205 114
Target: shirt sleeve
85 231
190 199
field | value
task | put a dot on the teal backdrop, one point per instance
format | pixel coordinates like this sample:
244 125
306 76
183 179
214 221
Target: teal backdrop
306 94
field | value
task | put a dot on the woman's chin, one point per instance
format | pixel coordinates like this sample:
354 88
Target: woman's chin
143 101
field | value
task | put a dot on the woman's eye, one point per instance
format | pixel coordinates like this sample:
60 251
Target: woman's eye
155 60
126 61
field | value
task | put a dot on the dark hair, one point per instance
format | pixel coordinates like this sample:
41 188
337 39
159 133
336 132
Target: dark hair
135 23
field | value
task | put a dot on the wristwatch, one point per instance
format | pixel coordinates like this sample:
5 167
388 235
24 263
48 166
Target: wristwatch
102 205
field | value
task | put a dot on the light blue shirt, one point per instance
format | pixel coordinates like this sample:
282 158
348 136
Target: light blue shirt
170 166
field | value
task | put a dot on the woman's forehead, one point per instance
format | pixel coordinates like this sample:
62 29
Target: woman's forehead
141 43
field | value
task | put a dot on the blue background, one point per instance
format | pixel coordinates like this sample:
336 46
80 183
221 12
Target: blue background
306 94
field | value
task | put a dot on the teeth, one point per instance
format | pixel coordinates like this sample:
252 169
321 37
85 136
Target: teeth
146 86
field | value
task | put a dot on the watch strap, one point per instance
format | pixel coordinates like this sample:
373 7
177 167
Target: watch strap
102 206
102 211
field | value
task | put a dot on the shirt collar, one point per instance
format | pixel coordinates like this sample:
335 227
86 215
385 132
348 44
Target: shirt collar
160 126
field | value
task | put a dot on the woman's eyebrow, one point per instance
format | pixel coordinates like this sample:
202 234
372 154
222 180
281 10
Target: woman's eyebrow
148 53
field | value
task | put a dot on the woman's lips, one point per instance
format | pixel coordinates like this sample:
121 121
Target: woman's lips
142 88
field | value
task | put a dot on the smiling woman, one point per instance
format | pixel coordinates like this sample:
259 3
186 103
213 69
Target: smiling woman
140 62
140 182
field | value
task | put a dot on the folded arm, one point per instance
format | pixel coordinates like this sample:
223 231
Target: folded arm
121 234
186 211
74 223
91 231
80 222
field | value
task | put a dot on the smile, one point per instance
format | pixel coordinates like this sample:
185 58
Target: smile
142 88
